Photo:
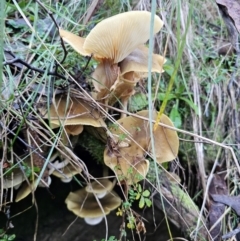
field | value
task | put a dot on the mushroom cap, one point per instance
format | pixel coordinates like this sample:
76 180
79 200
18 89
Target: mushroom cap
74 129
67 172
137 61
25 190
85 205
129 164
166 140
72 113
116 37
99 186
131 151
75 41
17 179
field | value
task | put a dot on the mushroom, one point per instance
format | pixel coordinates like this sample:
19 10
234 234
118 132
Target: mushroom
73 113
128 163
166 140
67 173
121 53
13 180
85 205
100 187
26 189
127 155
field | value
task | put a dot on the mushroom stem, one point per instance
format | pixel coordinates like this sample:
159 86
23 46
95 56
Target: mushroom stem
66 180
101 195
57 165
93 221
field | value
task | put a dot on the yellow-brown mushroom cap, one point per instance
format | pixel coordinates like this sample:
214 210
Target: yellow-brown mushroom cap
25 190
166 140
130 151
137 61
67 172
85 205
116 37
73 113
13 181
128 165
99 186
74 41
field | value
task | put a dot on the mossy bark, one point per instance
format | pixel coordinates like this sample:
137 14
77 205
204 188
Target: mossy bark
179 207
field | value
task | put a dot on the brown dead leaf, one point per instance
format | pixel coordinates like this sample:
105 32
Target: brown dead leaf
233 202
233 9
217 186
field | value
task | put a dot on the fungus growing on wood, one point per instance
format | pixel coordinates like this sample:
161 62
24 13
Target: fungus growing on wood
85 205
127 158
100 187
117 43
73 113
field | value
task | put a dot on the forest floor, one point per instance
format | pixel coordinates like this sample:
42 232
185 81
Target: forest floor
83 100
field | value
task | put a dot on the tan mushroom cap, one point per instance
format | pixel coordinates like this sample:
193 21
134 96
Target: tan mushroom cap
131 167
74 129
25 190
85 205
99 186
166 140
133 154
75 41
116 37
67 172
13 181
137 61
73 113
131 70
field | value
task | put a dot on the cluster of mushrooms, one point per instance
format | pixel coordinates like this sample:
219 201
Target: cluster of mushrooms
94 201
118 45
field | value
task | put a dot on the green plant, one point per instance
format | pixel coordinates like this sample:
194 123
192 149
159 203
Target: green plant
111 238
6 237
137 193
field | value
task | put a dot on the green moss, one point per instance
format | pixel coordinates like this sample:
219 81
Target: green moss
94 146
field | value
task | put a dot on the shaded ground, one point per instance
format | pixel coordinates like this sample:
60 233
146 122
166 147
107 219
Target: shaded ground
54 220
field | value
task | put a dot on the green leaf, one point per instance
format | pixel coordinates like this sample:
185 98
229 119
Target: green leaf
112 238
131 192
191 104
141 202
12 237
162 96
138 102
176 117
146 193
168 68
148 202
138 196
139 188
